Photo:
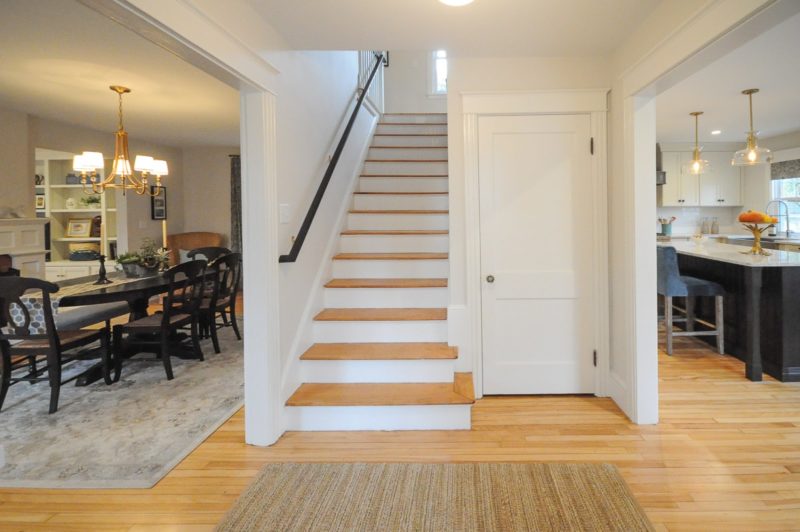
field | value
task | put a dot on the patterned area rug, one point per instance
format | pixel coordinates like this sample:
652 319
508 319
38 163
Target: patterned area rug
437 497
127 435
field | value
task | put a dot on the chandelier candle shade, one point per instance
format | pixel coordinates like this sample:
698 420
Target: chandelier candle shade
122 175
752 154
697 165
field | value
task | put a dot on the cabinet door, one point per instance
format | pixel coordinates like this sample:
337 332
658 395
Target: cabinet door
671 191
725 179
73 272
54 274
709 189
690 184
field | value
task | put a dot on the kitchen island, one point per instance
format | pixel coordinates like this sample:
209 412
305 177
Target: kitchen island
762 304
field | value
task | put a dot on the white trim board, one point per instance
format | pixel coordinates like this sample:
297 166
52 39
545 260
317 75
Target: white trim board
590 102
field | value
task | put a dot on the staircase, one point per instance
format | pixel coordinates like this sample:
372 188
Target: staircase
381 359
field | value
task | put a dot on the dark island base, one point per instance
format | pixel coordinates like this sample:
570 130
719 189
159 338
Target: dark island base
762 314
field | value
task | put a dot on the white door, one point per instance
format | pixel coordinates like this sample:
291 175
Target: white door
538 295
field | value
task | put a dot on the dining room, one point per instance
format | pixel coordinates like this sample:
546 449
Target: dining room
120 253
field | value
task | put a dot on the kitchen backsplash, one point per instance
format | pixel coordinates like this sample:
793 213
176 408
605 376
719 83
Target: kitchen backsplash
690 219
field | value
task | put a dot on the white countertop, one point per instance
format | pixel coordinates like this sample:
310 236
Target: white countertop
732 254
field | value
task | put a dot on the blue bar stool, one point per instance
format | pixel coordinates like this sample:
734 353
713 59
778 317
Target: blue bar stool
672 284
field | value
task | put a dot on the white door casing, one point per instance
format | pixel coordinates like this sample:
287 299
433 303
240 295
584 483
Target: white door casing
591 103
536 254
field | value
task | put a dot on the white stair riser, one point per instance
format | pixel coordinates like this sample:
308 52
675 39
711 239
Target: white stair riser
409 417
415 154
414 129
380 331
405 168
385 297
403 184
388 269
376 371
394 243
437 118
438 202
396 221
409 140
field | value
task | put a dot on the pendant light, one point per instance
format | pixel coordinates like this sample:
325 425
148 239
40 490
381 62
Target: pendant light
697 165
752 154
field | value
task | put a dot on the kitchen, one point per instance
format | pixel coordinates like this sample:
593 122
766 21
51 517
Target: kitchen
716 172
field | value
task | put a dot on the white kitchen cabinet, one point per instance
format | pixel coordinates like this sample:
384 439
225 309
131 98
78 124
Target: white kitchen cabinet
682 188
721 186
63 270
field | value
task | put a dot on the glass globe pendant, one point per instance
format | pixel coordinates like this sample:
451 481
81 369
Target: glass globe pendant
697 165
752 154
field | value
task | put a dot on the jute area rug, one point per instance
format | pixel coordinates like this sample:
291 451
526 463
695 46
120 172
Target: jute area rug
437 497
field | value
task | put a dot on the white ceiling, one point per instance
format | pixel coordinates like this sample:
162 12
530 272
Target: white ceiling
769 62
484 28
58 58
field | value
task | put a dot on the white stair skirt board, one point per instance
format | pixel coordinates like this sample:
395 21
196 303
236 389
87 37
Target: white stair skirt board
416 118
402 153
405 168
376 371
409 140
386 298
396 221
409 417
389 269
380 331
403 184
412 129
436 202
394 243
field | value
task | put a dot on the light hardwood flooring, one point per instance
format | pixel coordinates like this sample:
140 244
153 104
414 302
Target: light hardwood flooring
726 456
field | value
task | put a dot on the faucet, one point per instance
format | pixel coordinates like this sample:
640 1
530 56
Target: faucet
786 206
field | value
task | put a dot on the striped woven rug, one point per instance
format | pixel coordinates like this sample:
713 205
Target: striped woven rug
440 497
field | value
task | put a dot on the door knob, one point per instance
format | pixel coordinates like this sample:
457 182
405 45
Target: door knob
490 278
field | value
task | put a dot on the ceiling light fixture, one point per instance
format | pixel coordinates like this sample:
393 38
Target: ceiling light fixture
697 165
456 3
89 163
752 154
717 132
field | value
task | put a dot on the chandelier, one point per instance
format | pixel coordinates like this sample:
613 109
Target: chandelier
122 175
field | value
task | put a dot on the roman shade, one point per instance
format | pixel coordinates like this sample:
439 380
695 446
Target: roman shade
785 169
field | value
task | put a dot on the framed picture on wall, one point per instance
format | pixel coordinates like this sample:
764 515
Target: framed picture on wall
40 204
158 204
79 228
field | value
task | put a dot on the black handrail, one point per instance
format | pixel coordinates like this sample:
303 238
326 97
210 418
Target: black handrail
312 209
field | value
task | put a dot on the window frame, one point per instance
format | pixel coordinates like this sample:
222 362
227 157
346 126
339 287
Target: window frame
793 219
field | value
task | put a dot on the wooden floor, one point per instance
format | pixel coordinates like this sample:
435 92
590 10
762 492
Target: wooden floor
726 456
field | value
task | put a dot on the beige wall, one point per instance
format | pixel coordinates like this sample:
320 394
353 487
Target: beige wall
406 85
16 162
207 189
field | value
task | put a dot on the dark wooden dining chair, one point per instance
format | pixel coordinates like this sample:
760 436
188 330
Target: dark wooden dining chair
226 273
209 254
180 309
21 349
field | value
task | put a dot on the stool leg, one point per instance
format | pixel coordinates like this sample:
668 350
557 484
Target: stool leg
720 324
668 322
690 300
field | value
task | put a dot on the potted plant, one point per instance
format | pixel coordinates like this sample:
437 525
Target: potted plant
145 261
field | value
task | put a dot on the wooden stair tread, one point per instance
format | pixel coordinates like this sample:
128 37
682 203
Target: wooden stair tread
381 351
395 232
398 211
384 394
410 134
382 314
386 283
414 114
401 193
409 147
405 160
412 123
390 256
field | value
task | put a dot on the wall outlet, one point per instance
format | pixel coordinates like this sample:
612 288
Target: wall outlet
283 213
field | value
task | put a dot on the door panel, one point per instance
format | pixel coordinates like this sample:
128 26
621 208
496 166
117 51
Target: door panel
536 214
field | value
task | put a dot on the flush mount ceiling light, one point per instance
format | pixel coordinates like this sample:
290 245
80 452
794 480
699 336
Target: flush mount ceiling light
752 154
456 3
697 165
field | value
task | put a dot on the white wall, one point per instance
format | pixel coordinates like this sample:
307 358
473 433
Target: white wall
486 75
406 84
207 189
16 162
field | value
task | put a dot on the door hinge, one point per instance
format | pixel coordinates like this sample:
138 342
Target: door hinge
591 145
594 358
